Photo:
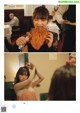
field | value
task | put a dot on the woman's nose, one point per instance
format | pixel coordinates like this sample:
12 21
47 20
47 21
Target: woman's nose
39 22
23 77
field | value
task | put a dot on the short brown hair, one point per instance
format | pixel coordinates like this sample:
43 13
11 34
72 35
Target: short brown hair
41 12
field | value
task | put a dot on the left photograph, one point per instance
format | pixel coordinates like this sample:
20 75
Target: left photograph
40 28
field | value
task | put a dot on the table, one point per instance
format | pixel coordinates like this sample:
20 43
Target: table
7 32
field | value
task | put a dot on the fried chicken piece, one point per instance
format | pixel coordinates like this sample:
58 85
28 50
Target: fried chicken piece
39 35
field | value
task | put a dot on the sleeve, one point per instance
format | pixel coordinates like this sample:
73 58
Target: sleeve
12 22
59 18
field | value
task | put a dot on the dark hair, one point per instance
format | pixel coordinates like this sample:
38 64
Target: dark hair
41 12
21 71
63 84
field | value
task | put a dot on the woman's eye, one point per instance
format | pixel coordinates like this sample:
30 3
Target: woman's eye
43 19
36 19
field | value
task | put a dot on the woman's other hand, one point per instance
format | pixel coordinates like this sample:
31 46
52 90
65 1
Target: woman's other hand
21 41
49 39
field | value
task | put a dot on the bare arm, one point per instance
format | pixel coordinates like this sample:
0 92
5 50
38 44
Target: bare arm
23 84
40 79
69 23
63 21
34 74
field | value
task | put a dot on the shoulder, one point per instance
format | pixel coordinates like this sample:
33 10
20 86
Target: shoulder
15 18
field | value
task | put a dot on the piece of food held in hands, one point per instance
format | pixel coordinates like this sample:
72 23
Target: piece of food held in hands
39 36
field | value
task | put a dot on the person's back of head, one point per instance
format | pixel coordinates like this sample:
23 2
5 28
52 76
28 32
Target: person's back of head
63 84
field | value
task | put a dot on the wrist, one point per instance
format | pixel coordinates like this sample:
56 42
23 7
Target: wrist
49 45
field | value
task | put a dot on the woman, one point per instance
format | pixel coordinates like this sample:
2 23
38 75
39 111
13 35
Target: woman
25 82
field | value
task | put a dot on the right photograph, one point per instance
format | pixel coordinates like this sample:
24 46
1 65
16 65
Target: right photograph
40 28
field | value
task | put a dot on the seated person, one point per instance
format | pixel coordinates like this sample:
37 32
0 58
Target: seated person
40 19
14 21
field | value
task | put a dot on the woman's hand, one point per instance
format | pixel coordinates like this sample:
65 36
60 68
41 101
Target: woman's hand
30 65
21 40
49 39
29 34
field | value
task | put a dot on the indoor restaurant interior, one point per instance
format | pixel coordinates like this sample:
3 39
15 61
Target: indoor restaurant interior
65 34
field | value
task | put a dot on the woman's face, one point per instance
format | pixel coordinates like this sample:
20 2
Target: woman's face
40 22
11 16
72 60
22 77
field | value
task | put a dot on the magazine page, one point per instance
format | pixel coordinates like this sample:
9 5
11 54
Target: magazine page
39 54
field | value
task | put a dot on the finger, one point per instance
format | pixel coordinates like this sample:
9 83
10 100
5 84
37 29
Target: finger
21 42
29 34
50 34
18 42
48 40
24 40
